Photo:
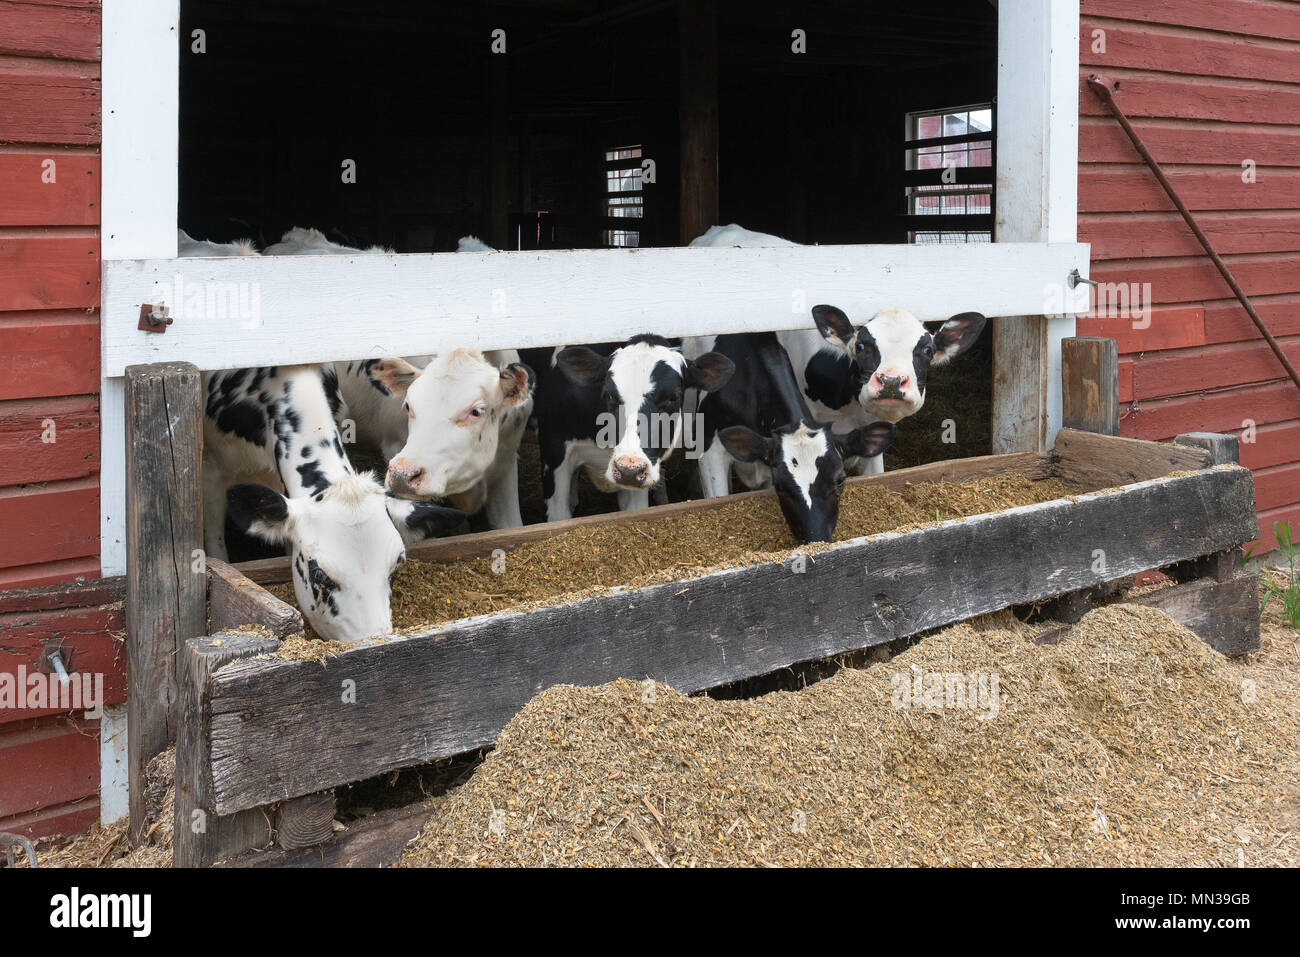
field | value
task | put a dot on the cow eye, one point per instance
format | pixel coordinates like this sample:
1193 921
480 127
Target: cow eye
407 407
928 351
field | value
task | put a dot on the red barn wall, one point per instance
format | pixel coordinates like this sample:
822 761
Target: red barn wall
1208 84
49 377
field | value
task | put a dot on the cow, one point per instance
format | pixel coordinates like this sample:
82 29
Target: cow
448 425
759 424
299 241
448 430
616 413
855 376
273 459
188 247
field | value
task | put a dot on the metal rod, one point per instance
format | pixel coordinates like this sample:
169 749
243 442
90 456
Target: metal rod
1104 90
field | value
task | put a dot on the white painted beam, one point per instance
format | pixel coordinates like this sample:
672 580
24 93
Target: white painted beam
317 308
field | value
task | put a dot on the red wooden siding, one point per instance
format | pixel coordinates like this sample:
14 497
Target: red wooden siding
49 405
1208 84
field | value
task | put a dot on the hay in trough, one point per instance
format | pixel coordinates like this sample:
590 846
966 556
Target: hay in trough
1130 743
583 562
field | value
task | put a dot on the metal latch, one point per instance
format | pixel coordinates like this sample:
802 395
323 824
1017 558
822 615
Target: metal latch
154 318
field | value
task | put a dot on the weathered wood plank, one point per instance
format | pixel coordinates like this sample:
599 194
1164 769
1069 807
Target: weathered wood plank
166 599
374 841
201 837
453 689
1090 384
1033 465
234 600
1225 614
1223 449
1104 461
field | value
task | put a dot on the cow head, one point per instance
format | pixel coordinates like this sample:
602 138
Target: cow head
642 386
345 544
454 408
807 465
893 354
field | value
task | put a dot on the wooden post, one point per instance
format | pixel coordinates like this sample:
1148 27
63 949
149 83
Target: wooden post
1090 384
698 114
166 596
200 837
1223 565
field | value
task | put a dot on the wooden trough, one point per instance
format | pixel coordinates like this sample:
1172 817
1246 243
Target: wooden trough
256 731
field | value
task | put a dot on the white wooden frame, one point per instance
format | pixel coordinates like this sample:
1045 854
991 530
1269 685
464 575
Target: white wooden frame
408 304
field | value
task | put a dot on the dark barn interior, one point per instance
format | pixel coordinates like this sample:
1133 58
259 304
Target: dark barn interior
542 146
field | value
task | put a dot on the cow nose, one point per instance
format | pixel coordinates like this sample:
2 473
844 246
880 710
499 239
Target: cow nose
628 470
401 479
891 384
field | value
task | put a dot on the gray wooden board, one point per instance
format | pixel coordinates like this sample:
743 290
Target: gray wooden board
280 729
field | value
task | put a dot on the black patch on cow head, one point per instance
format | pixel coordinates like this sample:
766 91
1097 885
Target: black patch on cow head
435 521
258 511
832 378
324 590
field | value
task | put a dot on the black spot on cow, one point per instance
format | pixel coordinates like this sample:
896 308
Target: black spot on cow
324 590
832 379
312 477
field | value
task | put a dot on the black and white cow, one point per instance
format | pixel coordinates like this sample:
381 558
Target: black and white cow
759 424
616 414
449 427
274 461
273 457
855 376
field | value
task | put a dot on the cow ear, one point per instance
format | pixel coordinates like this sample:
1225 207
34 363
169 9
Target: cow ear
394 374
259 511
956 336
867 441
746 445
517 383
834 326
418 521
582 365
709 372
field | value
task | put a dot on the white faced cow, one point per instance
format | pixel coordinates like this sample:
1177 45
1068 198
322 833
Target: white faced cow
448 430
853 377
759 424
274 461
448 425
616 414
276 426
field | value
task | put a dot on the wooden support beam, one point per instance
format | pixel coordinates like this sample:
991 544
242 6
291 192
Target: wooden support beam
305 821
1090 384
165 596
373 841
1089 460
698 106
200 836
1224 449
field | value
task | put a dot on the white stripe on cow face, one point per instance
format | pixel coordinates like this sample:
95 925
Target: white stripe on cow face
650 381
801 451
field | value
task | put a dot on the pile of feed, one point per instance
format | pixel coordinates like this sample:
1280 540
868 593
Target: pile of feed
109 846
1130 743
593 559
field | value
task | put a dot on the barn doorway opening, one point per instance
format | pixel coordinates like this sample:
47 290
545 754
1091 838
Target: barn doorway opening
583 124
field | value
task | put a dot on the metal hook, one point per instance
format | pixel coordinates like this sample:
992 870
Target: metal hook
1076 278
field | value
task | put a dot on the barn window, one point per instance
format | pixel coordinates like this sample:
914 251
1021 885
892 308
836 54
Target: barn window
949 163
624 198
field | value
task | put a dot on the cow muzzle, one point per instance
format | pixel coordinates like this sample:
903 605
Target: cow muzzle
630 472
404 482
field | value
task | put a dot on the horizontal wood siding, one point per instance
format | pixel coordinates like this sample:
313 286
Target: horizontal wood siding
50 113
1209 85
